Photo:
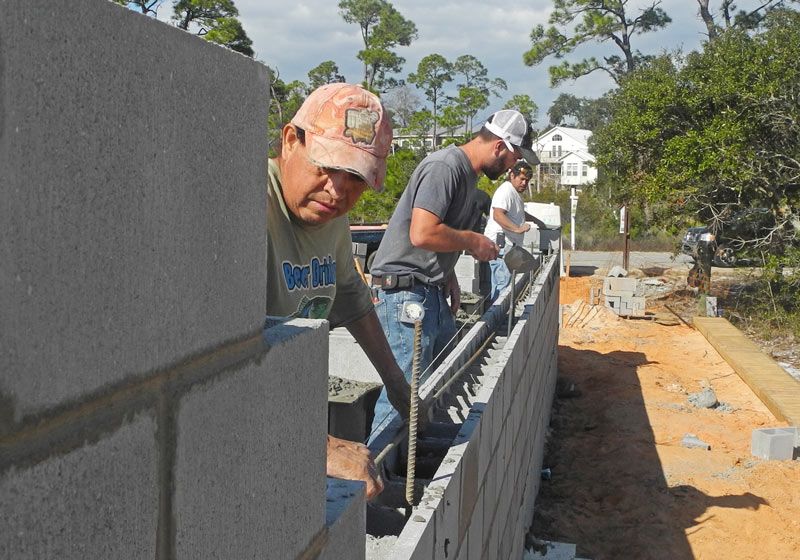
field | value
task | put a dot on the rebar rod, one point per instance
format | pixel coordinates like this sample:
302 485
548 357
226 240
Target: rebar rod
412 415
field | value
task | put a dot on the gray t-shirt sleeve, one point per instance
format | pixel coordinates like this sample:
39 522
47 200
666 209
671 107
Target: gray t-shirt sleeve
435 188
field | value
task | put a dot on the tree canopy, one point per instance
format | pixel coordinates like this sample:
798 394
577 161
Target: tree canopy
324 73
214 20
383 29
433 72
574 23
580 112
716 132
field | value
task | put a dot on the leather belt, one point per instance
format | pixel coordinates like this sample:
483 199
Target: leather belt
393 281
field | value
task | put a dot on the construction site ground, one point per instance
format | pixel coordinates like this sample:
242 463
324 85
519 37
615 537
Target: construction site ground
622 485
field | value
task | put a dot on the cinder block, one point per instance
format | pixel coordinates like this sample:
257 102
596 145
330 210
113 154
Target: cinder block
250 458
505 540
775 444
613 303
485 447
417 539
469 487
467 266
447 534
468 284
131 231
475 530
617 286
345 519
98 501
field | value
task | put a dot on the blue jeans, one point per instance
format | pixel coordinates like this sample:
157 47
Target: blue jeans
501 276
438 328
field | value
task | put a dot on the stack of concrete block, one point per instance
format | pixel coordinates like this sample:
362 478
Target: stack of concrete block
468 272
143 412
480 502
619 294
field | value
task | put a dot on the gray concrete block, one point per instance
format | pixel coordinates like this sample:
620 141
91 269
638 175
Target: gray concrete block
446 541
250 458
470 485
467 266
416 541
98 501
617 285
132 198
472 285
774 444
475 530
345 519
348 360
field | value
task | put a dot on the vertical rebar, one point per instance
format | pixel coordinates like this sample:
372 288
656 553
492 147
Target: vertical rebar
412 415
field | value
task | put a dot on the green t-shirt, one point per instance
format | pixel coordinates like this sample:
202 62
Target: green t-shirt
310 270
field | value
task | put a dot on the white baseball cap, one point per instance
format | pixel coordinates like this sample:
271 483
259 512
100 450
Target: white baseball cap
512 128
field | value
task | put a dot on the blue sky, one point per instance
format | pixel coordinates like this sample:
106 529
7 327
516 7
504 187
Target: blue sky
296 36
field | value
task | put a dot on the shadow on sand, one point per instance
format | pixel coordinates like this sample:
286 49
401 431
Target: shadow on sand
621 506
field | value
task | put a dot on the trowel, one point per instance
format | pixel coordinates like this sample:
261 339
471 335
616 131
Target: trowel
519 260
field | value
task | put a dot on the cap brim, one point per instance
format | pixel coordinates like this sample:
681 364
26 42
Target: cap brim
336 154
529 155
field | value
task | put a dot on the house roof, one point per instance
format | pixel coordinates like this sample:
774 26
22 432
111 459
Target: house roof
581 154
578 134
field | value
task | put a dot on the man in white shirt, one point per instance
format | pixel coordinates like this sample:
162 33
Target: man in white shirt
506 224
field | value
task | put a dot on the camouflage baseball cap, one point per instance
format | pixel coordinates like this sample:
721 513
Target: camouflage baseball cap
347 128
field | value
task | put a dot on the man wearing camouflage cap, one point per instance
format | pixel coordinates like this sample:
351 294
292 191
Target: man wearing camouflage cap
332 151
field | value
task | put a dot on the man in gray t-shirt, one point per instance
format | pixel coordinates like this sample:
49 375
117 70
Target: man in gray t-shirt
430 227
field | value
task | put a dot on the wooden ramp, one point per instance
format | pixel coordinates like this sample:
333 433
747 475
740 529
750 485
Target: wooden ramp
778 390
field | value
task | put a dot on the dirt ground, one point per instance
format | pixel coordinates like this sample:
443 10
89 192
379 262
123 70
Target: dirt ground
622 484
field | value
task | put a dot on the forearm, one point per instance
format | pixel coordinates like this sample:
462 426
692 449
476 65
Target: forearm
428 232
505 222
444 239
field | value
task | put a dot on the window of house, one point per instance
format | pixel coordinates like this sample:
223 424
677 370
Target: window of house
584 170
556 138
571 170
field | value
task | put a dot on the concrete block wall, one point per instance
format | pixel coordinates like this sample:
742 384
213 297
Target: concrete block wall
480 502
143 412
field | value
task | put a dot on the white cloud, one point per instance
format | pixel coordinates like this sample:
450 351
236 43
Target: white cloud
295 37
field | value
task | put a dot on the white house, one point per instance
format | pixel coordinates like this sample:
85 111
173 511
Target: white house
565 156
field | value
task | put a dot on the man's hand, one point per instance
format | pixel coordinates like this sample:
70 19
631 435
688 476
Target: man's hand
524 227
453 291
483 248
400 397
351 461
